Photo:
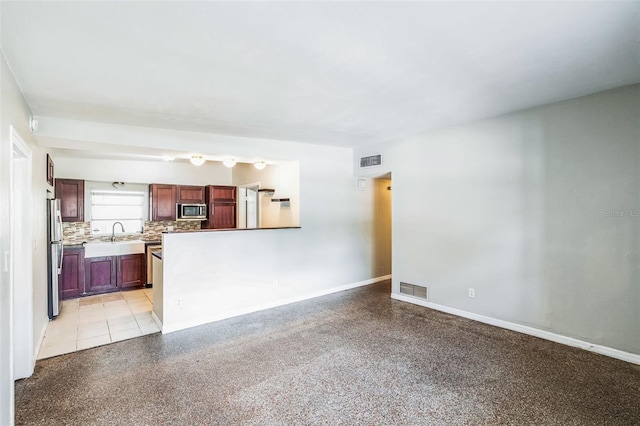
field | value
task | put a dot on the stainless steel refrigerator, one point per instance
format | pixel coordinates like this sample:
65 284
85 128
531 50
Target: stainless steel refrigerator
56 253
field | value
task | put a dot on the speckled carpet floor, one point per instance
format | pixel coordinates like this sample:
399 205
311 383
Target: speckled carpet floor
355 357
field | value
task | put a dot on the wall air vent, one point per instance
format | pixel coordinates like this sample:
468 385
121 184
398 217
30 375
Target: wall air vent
371 161
413 290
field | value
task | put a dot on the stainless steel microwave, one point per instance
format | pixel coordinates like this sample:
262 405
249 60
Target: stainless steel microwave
191 211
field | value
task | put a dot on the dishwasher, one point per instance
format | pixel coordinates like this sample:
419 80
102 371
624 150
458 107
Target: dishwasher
150 250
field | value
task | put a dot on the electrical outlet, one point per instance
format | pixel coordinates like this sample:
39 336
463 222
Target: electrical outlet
472 292
170 228
275 283
178 302
80 231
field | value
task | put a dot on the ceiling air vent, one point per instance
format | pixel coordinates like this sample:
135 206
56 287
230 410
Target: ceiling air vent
371 161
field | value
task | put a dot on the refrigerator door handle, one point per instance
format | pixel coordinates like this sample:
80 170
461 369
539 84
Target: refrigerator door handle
60 256
59 227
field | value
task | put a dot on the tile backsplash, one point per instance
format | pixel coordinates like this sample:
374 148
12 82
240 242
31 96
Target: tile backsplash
79 232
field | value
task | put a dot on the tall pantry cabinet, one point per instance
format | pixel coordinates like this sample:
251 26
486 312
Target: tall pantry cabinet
221 207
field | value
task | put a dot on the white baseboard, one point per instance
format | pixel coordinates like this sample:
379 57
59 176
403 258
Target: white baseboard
547 335
156 319
36 349
282 302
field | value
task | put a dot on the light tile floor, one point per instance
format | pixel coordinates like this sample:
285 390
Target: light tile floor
98 320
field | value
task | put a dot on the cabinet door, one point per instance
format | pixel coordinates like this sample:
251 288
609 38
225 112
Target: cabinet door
224 194
221 207
100 274
71 195
131 271
163 202
191 194
224 215
72 276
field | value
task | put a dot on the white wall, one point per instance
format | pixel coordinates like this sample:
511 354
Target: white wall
321 168
536 210
15 112
135 171
329 250
6 308
284 178
287 185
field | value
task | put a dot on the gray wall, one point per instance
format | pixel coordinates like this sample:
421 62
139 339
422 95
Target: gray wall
536 210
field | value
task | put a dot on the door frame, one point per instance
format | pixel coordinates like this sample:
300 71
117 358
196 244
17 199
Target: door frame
242 205
21 256
387 222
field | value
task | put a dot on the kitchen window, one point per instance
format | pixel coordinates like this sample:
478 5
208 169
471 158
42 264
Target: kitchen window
109 207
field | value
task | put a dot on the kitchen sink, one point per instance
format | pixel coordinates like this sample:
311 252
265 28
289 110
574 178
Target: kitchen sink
117 248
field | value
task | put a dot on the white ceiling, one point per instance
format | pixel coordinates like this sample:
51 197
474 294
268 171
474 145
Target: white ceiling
337 73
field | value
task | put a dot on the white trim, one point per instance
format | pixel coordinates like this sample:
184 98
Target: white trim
16 140
20 191
36 350
156 319
251 309
531 331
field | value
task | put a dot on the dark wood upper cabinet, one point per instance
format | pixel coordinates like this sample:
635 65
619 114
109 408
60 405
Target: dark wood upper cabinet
71 195
132 271
163 199
191 194
223 194
72 276
221 207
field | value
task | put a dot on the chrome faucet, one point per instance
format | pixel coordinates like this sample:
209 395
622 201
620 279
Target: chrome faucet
113 230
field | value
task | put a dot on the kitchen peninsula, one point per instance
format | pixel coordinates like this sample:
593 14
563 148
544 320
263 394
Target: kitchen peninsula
212 275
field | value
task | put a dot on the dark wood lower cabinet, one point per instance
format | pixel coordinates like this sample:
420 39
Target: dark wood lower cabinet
224 215
72 276
132 271
100 274
111 273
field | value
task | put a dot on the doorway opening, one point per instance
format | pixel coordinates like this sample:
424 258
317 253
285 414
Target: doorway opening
248 206
21 258
382 225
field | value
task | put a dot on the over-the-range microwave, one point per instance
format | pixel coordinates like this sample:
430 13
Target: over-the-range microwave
191 211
